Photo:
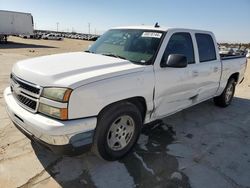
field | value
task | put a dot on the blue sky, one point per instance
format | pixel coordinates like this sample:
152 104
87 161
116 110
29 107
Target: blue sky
228 19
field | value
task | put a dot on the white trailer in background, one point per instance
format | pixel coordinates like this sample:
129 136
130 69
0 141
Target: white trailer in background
15 23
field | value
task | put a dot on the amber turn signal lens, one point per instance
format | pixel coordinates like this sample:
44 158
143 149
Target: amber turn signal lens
64 113
67 95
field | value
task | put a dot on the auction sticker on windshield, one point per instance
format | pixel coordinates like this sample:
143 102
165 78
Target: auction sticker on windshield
151 34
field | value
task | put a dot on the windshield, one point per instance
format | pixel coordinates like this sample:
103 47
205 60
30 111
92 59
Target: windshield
135 45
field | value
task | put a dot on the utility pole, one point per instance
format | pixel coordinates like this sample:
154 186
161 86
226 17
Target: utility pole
89 28
89 31
57 26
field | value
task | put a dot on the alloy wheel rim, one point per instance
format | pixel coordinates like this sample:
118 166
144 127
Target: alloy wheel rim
229 93
120 133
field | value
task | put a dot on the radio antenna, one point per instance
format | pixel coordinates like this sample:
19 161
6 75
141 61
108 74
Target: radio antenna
157 25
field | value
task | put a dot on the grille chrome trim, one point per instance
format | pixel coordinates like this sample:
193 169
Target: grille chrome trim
26 94
37 89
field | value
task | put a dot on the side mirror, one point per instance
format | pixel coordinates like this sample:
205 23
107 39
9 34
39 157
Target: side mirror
175 61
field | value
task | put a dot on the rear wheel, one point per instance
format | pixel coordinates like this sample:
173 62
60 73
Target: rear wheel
118 129
226 97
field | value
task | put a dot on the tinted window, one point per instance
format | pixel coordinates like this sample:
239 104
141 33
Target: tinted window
180 43
205 47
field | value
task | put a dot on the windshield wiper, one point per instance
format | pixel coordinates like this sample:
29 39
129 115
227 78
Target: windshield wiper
88 51
114 55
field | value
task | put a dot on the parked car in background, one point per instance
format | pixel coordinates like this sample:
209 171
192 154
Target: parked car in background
34 36
52 36
25 36
248 53
240 52
226 51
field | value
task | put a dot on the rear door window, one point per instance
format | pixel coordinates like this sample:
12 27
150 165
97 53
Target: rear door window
206 47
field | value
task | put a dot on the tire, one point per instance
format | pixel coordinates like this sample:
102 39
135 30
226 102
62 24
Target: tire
226 97
116 125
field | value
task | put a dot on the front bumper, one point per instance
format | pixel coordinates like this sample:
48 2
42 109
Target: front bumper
50 132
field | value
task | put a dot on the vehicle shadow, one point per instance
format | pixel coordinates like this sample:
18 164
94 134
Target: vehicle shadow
12 45
149 164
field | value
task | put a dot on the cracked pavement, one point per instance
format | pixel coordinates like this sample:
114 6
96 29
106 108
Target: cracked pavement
203 146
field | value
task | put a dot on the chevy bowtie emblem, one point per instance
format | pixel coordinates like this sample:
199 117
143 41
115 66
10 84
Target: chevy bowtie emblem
16 89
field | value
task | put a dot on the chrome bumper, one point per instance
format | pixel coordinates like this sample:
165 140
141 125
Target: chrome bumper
54 132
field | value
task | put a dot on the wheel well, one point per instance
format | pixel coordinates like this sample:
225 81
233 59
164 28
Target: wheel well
235 76
139 102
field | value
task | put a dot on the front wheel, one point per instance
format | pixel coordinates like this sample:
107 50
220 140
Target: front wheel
226 97
118 129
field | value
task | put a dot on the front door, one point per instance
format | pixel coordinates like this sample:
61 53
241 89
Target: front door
176 88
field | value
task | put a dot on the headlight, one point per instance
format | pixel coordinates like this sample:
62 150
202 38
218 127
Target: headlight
57 94
59 113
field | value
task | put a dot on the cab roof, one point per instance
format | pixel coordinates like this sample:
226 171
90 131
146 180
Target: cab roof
162 29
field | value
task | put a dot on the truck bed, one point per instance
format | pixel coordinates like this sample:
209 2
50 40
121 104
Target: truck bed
227 57
232 64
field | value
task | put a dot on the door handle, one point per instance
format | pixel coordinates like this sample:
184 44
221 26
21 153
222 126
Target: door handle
195 73
216 69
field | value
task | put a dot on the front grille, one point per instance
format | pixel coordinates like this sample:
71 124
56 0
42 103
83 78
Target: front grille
26 94
26 101
25 86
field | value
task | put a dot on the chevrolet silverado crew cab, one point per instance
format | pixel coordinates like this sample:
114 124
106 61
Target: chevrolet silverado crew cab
129 77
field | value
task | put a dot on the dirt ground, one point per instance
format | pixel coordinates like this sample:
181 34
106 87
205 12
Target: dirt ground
201 147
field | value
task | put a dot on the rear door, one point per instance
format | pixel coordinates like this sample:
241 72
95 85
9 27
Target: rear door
175 88
209 66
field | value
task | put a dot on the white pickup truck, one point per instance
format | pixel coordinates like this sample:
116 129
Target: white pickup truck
129 77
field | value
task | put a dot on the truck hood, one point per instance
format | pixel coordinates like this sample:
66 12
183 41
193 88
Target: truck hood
72 69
